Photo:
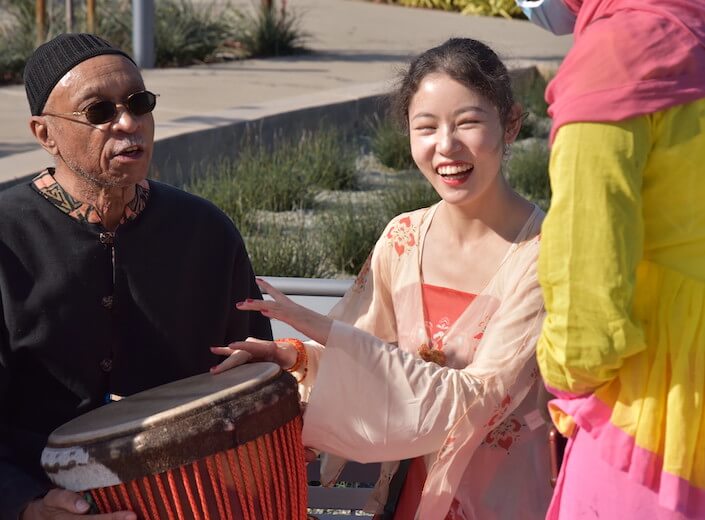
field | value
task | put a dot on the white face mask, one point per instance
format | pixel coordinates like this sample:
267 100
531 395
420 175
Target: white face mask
552 15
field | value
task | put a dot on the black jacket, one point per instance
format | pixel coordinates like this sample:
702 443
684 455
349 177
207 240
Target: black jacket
77 323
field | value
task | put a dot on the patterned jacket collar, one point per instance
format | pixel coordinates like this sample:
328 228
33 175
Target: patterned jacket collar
47 186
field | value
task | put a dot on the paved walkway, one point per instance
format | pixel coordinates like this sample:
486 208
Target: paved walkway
357 46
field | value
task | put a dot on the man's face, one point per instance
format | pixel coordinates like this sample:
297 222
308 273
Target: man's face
112 154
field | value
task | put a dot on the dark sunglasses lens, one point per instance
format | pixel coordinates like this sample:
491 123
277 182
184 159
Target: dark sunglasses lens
101 112
141 103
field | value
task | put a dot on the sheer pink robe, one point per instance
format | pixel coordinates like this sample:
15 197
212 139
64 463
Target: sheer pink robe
475 421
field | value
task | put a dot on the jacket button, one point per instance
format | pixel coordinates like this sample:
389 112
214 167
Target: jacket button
107 238
106 365
107 302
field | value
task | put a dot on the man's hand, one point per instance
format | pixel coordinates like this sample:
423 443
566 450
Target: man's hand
60 504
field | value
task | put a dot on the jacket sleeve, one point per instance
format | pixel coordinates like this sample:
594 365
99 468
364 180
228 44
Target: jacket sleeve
243 324
17 485
591 244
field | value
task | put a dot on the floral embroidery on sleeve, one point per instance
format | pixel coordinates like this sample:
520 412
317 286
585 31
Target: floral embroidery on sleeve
499 412
504 435
402 235
482 326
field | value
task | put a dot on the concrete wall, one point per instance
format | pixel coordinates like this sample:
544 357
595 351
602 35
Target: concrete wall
183 147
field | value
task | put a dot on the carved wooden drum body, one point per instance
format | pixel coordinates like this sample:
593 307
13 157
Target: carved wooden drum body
207 447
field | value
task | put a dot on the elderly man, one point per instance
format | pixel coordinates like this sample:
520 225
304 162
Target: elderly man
109 283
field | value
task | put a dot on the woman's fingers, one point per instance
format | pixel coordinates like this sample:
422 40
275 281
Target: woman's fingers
222 351
271 290
236 358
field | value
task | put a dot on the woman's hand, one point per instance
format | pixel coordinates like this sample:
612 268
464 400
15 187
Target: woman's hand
282 353
309 323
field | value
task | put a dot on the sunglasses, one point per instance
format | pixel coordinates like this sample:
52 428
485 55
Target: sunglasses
137 104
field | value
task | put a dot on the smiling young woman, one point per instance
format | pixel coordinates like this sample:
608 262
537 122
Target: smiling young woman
430 355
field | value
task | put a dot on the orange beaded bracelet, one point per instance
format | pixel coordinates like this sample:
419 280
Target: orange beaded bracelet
301 357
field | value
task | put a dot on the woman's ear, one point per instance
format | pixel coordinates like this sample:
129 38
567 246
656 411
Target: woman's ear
42 133
514 121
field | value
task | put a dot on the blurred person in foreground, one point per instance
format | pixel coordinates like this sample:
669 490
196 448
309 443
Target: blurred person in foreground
622 262
102 272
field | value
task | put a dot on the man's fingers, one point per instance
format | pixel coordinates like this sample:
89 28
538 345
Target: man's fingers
123 515
66 501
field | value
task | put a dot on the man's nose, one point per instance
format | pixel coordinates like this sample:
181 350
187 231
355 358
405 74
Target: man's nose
126 120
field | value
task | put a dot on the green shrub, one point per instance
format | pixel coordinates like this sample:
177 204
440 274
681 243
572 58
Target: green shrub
350 234
407 194
527 171
270 31
505 8
389 144
18 37
275 251
328 157
260 179
188 33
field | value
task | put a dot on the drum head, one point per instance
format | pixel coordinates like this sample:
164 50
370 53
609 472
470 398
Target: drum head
161 404
170 425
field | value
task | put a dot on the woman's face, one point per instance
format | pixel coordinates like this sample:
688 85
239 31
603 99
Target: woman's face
457 139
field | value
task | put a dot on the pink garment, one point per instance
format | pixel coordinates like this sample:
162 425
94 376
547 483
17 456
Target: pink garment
588 484
442 306
630 58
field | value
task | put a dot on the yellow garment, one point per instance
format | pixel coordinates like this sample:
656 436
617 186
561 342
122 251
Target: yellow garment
622 267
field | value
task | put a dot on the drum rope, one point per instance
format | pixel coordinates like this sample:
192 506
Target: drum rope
125 494
116 500
101 500
275 463
164 496
297 426
201 491
175 493
150 498
284 444
220 457
215 484
263 456
189 493
255 464
295 448
246 497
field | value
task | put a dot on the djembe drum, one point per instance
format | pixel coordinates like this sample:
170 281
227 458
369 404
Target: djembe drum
207 447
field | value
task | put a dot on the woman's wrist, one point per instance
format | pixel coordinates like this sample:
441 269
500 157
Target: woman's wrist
294 357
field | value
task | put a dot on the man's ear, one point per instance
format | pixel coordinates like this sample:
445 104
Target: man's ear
43 134
514 121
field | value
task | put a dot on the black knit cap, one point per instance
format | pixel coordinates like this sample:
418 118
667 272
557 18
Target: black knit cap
53 59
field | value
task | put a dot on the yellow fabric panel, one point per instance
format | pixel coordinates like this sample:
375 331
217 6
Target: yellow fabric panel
590 246
622 267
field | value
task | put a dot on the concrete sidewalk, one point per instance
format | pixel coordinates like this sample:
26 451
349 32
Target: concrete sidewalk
357 48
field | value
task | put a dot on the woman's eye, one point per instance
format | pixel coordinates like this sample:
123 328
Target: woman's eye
469 122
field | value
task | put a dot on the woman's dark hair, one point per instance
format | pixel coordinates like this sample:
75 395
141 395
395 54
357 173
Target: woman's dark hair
468 62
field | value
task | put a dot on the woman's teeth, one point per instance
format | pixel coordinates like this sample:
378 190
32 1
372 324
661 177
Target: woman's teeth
453 169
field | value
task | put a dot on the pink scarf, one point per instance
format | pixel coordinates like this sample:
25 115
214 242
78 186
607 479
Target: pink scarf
630 57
